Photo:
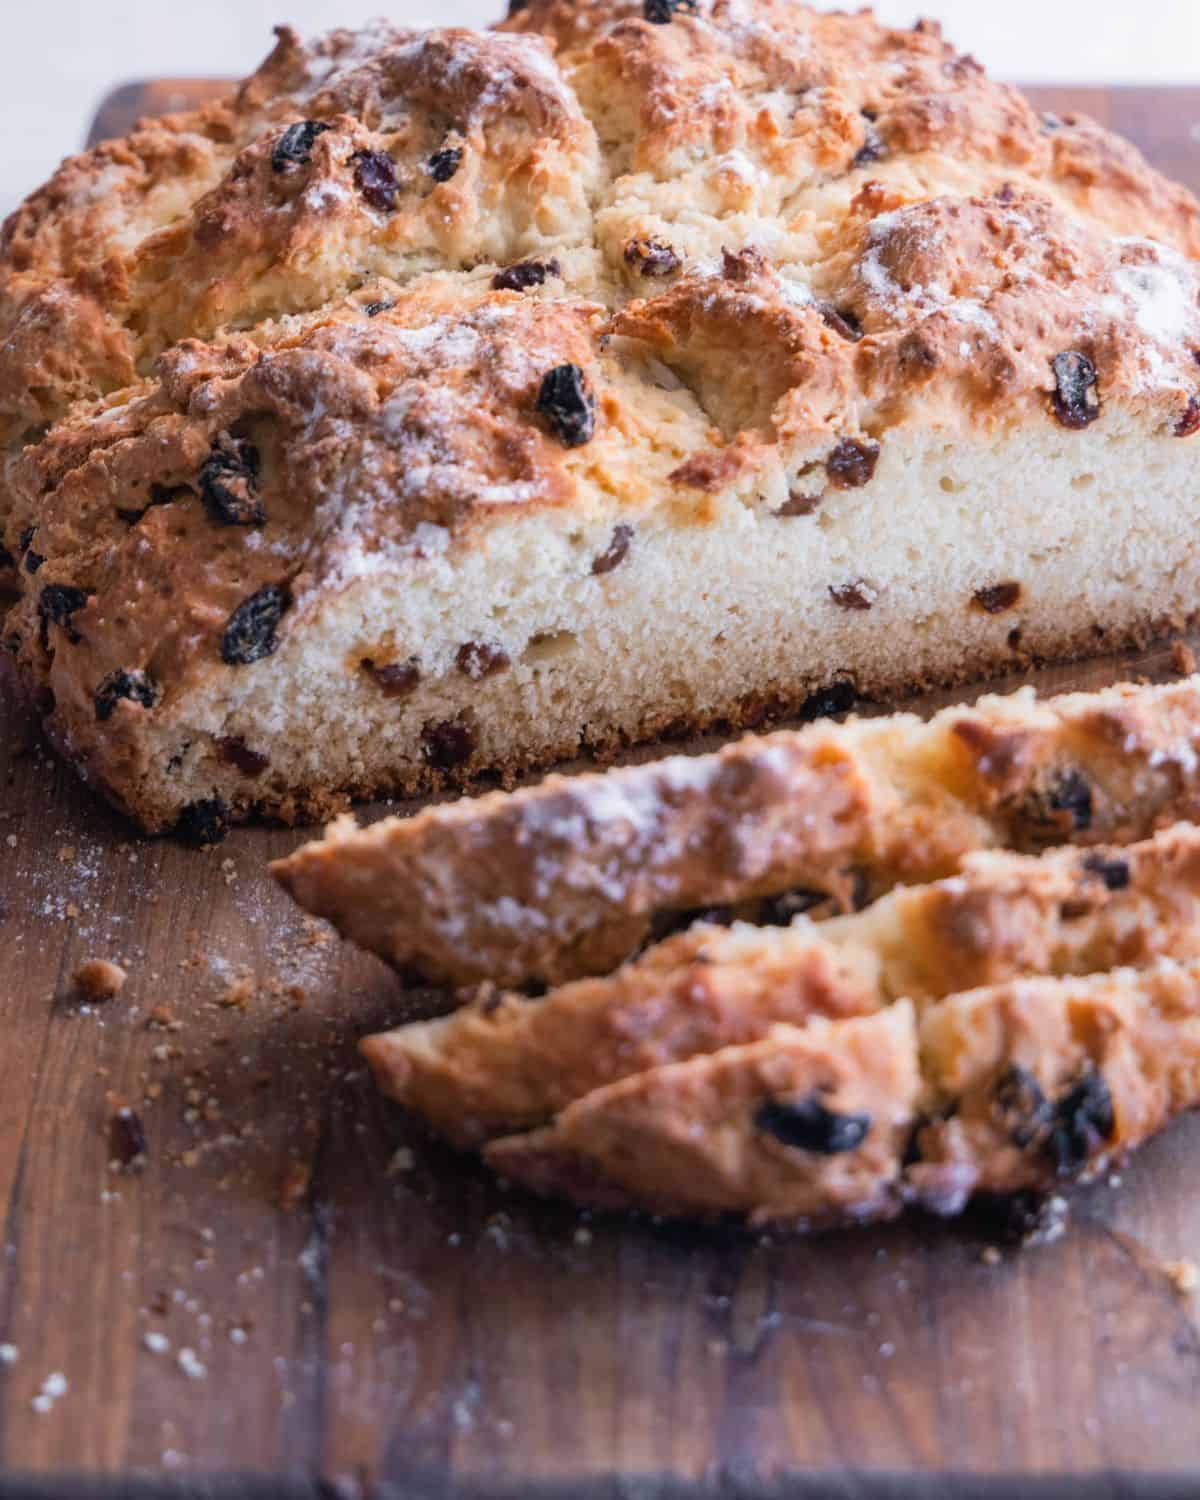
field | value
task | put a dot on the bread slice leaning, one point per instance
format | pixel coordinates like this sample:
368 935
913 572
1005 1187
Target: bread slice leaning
1017 1087
505 1062
567 878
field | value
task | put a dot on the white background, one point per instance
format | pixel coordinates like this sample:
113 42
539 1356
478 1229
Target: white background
57 57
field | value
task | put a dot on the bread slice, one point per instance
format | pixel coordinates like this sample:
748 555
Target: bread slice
449 402
565 878
1020 1087
504 1062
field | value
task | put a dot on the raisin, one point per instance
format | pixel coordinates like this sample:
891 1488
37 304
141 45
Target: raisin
480 659
837 698
398 679
57 603
235 752
1020 1107
250 632
997 597
808 1125
126 1138
204 822
524 274
375 178
778 911
1189 422
7 560
1113 872
1071 793
373 309
1076 399
651 257
229 484
857 595
567 404
616 552
852 464
443 164
662 12
33 560
873 148
1083 1122
447 743
130 686
294 146
841 320
798 504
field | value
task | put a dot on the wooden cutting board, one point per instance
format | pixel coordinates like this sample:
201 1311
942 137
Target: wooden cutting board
361 1305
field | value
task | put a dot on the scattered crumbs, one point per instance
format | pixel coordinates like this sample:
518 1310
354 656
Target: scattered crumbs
8 1354
191 1366
402 1160
238 993
1183 658
990 1255
238 1336
53 1387
887 1350
11 840
157 1343
66 853
99 979
1184 1276
583 1236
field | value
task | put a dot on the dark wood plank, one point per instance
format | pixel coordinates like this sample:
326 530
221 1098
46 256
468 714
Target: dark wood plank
419 1324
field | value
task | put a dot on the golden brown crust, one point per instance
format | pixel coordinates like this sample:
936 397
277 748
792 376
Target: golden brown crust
562 879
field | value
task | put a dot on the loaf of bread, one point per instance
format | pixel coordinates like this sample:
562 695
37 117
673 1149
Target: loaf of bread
569 877
449 401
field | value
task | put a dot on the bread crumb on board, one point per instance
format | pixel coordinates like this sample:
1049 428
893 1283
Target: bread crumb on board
1184 1276
100 979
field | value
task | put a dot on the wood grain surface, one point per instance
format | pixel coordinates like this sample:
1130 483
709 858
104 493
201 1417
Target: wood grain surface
362 1305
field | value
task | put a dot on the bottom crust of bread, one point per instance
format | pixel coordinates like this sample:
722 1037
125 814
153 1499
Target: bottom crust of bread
507 652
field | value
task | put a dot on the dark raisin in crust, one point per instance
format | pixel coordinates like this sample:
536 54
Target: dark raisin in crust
122 686
841 320
873 148
1189 421
852 463
229 484
662 12
201 823
57 603
1083 1123
837 698
447 744
480 659
616 552
567 405
1021 1107
250 634
1113 872
651 257
443 164
235 752
855 595
524 274
1071 793
1076 399
808 1125
997 597
294 147
375 178
397 679
798 504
